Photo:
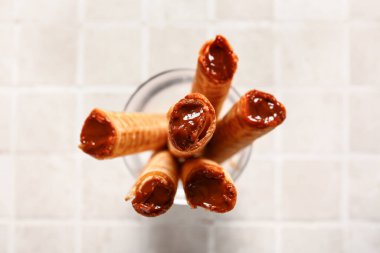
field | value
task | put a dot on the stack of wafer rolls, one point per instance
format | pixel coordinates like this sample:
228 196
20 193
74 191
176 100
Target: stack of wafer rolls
188 142
154 190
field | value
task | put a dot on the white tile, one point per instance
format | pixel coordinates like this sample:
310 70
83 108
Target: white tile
4 238
175 238
364 188
6 9
310 10
311 54
113 9
112 101
183 215
62 10
363 239
244 239
364 122
245 9
311 190
7 58
44 239
255 189
365 9
47 54
105 184
174 48
264 145
311 240
46 187
112 54
314 123
255 49
46 122
365 54
115 239
161 11
6 40
5 122
5 71
5 187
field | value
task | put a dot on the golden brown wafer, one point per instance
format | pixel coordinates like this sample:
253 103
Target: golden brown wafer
216 66
111 134
192 123
255 114
208 185
154 191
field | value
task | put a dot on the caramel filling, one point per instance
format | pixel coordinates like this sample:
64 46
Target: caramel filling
188 123
154 197
263 109
97 136
209 189
219 60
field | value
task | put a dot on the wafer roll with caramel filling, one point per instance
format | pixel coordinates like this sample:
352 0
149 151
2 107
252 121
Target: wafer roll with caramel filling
192 123
215 69
154 191
208 185
255 114
111 134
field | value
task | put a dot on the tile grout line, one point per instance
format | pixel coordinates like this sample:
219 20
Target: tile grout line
211 10
12 218
13 133
69 222
231 223
79 173
211 238
198 24
306 224
15 55
211 18
145 40
145 35
74 88
278 200
346 132
79 100
131 87
278 160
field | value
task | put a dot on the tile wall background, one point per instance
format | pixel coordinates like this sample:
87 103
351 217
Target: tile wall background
311 186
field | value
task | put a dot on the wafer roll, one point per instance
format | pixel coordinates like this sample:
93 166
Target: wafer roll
255 114
215 69
154 191
192 123
208 185
111 134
